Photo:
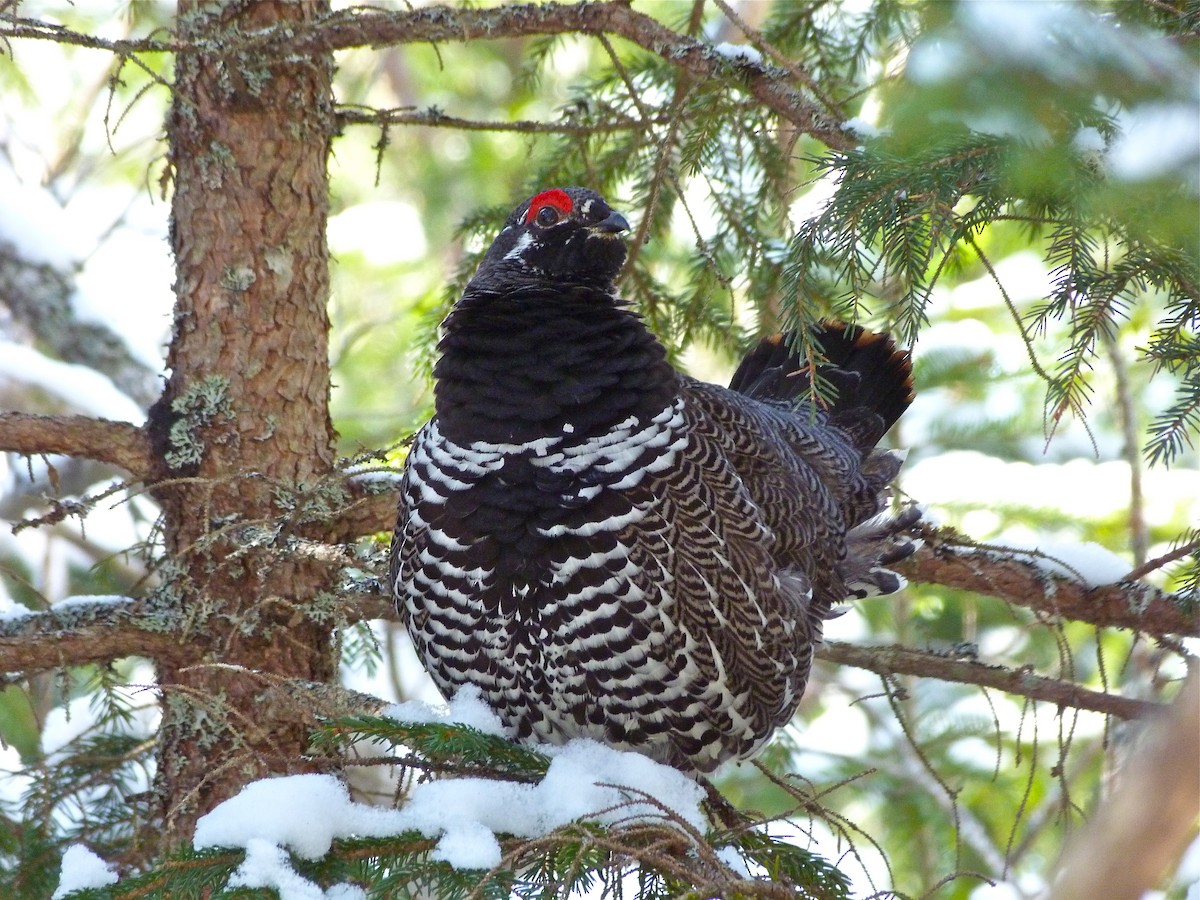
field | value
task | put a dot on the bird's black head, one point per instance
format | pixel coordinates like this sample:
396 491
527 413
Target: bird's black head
560 235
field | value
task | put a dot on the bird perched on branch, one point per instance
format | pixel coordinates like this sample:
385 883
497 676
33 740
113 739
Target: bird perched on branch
611 549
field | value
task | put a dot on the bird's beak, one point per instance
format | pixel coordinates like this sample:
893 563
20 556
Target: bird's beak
614 224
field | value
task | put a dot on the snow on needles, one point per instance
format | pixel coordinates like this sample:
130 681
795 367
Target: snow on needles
81 868
306 813
467 708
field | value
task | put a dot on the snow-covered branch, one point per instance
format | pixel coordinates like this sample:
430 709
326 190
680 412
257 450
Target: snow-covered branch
896 660
948 558
84 630
952 560
774 87
119 443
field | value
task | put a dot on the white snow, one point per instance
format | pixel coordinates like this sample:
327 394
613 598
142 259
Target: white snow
92 600
1066 43
125 286
739 53
467 708
813 202
578 785
862 128
732 858
1156 140
36 226
1085 561
65 724
374 475
934 61
125 273
1088 141
85 389
81 868
303 813
267 866
10 609
306 813
963 479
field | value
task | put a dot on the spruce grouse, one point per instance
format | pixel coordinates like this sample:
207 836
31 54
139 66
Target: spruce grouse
608 548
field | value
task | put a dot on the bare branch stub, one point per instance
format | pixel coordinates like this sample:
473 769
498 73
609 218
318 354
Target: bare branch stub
84 633
120 443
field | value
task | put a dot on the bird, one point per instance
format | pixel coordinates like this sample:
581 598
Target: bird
608 548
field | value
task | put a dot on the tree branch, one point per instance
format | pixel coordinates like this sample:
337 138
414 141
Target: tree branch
357 27
15 27
435 118
949 559
897 660
119 443
85 632
369 511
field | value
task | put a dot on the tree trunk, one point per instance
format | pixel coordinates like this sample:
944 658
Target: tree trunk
249 142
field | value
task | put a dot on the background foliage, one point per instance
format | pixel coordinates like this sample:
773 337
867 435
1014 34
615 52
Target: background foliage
1022 211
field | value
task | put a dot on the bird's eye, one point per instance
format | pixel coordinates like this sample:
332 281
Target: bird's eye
547 216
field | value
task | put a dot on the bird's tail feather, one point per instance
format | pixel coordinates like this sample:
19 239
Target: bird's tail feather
870 379
870 386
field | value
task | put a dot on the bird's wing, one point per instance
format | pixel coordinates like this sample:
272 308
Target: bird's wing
798 472
739 636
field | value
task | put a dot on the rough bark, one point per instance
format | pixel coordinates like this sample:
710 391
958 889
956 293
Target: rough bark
249 143
118 443
954 561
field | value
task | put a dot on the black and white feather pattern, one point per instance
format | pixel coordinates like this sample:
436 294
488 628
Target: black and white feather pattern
610 549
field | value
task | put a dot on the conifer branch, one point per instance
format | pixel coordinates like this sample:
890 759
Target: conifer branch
897 660
83 633
119 443
433 117
1184 549
770 85
357 27
951 560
